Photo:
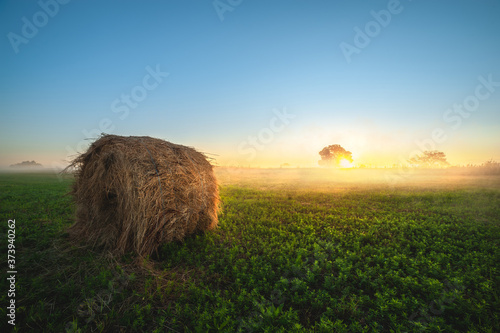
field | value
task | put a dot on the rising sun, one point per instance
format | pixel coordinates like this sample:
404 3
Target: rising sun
345 163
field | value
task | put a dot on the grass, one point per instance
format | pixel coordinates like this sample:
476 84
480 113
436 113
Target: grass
284 259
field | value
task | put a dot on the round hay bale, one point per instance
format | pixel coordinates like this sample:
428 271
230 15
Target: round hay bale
135 193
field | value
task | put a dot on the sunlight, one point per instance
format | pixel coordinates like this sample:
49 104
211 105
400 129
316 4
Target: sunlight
345 163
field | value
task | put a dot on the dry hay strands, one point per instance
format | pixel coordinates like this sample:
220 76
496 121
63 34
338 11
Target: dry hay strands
135 193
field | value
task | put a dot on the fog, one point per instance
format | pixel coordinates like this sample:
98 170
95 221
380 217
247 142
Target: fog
324 179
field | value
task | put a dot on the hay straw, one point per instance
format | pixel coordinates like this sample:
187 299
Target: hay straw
135 193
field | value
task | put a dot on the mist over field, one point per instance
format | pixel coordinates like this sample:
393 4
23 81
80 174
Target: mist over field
328 179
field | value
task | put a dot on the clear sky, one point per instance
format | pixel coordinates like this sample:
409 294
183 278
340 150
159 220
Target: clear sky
257 82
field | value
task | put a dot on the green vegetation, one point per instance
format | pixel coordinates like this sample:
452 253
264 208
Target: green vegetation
368 259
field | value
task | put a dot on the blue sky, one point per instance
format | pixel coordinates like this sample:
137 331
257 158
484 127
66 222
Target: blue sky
267 84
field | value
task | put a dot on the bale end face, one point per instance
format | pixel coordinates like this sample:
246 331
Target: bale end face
136 193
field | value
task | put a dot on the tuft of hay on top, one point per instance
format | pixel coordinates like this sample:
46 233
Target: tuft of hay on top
135 193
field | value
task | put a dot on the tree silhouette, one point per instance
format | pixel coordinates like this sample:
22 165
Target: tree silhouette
429 158
26 164
332 155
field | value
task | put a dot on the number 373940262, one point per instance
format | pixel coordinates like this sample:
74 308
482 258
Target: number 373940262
11 235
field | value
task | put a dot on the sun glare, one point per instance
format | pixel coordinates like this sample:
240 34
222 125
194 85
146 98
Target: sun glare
345 163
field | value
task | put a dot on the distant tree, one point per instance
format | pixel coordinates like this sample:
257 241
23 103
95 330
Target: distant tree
491 167
332 155
429 158
491 164
26 164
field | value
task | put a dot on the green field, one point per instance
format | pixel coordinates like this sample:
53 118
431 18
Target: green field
295 251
